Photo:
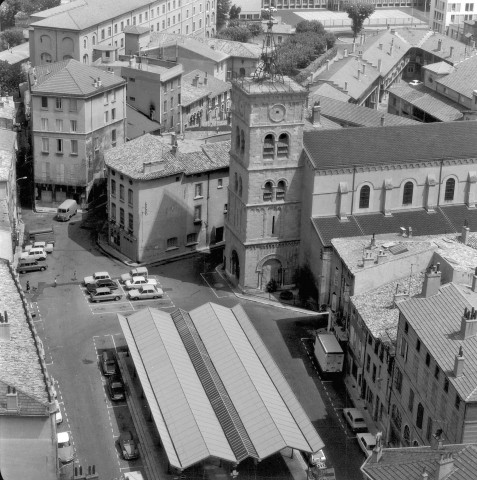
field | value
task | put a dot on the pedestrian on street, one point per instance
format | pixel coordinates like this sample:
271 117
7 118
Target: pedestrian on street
28 286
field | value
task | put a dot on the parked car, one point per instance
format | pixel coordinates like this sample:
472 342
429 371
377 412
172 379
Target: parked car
48 247
128 446
31 265
58 415
415 83
108 283
139 282
96 276
108 363
316 459
65 450
145 292
135 272
34 252
104 294
355 419
116 388
367 442
66 210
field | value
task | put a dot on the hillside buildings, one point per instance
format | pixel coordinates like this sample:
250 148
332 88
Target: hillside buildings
77 113
74 30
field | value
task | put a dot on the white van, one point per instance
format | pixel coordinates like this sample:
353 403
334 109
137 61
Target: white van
66 210
34 252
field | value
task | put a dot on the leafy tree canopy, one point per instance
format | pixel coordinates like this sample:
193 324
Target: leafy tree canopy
9 8
358 12
11 38
255 28
310 26
10 77
234 12
223 8
237 33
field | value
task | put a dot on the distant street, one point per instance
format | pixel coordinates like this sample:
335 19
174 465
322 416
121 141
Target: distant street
75 332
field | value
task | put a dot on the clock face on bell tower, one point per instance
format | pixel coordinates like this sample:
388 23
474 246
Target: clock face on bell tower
277 113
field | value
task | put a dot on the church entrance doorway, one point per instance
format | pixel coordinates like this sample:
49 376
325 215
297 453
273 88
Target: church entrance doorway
272 270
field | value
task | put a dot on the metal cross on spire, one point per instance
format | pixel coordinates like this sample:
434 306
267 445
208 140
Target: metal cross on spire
267 68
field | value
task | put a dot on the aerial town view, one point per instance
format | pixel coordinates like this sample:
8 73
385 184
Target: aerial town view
238 241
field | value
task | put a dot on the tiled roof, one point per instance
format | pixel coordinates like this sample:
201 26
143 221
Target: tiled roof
82 14
18 54
439 68
27 404
329 91
376 307
19 360
138 124
437 322
429 101
191 93
136 29
129 157
395 144
8 110
421 222
463 79
234 49
71 77
8 140
409 463
458 214
356 115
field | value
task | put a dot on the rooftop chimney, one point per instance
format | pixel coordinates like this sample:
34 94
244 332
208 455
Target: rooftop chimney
409 232
327 64
380 46
465 234
380 62
173 139
4 327
424 474
451 51
432 281
316 113
12 398
364 68
368 257
391 48
474 281
345 52
468 323
377 452
445 465
359 73
372 244
205 79
99 82
382 256
459 363
383 120
436 439
195 80
346 87
439 45
354 47
155 166
174 149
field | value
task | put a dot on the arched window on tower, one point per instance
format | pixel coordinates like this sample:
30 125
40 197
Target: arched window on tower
420 416
242 142
236 181
93 41
281 189
450 190
269 146
240 187
237 139
85 42
283 143
267 192
407 193
364 196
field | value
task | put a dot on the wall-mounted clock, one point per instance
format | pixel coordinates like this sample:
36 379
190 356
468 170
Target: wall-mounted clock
277 113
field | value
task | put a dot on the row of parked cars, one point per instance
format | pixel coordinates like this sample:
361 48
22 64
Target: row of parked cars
33 258
116 391
355 419
101 287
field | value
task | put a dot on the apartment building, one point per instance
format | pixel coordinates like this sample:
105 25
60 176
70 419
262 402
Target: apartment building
73 30
166 200
77 113
445 12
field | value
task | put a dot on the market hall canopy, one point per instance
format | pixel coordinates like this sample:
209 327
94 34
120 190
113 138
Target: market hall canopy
212 386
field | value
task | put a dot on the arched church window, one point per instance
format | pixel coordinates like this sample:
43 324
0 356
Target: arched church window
407 436
237 139
267 191
364 196
240 186
269 146
420 416
242 142
236 181
281 189
283 144
407 193
450 189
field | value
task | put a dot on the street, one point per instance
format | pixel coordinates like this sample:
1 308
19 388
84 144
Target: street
75 332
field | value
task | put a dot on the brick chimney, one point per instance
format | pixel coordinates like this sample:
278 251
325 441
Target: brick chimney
195 80
364 69
346 88
459 363
383 120
380 62
316 113
445 465
206 79
4 327
464 237
432 281
12 398
468 323
439 45
451 51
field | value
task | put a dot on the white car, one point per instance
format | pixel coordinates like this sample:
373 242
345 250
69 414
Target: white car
58 415
355 419
135 272
415 83
48 247
65 450
367 442
137 282
96 276
145 292
34 252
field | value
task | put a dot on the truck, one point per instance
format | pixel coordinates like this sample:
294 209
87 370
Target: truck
328 353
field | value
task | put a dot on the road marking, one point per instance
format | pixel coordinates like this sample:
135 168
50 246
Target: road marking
213 288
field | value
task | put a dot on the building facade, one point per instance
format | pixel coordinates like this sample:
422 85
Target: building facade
444 12
77 113
73 31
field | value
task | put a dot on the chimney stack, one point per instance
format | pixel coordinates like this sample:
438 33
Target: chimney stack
354 47
459 363
195 80
383 120
368 257
474 281
424 474
451 51
359 73
432 281
465 234
345 52
445 465
436 440
380 46
382 257
372 244
409 232
205 79
439 45
377 452
4 327
391 48
468 324
173 139
364 68
99 82
12 398
316 113
346 87
380 62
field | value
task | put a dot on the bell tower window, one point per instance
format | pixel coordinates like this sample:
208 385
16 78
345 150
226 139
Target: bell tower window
267 192
269 146
283 143
237 139
242 142
281 188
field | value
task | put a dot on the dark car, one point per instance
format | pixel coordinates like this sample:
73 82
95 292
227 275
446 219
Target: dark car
106 282
31 265
104 295
108 363
128 446
116 388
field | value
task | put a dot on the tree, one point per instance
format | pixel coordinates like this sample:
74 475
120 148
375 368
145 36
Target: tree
306 283
235 33
255 28
330 40
265 15
10 77
234 12
11 38
8 10
310 26
223 8
358 12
